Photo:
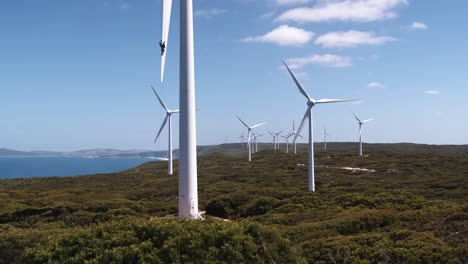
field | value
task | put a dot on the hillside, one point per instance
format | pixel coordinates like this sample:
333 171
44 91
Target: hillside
411 208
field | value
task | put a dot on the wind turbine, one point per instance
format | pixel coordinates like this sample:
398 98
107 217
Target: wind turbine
168 119
360 131
255 142
274 138
286 138
325 134
188 193
241 137
308 115
294 133
277 135
249 135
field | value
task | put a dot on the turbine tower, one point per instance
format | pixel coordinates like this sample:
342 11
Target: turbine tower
249 135
286 138
325 134
294 133
188 193
277 135
360 131
168 119
274 138
308 115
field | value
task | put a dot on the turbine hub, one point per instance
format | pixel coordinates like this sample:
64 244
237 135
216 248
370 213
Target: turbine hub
310 103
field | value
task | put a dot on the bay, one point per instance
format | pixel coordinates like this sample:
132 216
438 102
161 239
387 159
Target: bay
22 167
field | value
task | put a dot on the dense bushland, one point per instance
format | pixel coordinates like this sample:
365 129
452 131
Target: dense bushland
411 209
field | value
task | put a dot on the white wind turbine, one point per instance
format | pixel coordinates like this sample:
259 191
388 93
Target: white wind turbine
255 142
360 131
168 119
286 138
188 193
274 138
308 115
294 133
277 135
249 135
325 134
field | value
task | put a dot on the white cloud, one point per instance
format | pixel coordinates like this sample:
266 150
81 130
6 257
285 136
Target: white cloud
209 13
344 10
284 35
326 60
375 85
352 38
432 92
418 26
290 2
124 6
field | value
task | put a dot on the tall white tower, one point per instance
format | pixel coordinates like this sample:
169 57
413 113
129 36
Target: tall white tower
188 192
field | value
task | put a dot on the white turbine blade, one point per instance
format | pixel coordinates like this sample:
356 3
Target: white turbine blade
166 21
306 116
257 125
325 101
298 84
270 133
175 111
162 104
279 133
357 118
243 122
368 120
162 126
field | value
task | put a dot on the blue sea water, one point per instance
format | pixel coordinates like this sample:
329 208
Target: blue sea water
21 167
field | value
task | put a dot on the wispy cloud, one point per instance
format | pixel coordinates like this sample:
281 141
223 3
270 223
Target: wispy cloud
209 13
344 10
352 38
124 6
432 92
325 60
418 26
284 35
290 2
375 85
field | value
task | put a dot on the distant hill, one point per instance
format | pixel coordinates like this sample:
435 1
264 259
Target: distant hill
13 153
238 149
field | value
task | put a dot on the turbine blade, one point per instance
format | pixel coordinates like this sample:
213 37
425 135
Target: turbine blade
166 21
357 118
257 125
270 133
243 122
162 126
298 84
368 120
175 111
306 116
326 100
160 101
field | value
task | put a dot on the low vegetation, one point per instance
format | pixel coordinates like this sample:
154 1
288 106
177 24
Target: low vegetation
411 208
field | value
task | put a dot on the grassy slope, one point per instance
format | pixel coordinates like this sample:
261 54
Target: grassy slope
411 210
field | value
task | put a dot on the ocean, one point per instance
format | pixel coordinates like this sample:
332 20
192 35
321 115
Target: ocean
22 167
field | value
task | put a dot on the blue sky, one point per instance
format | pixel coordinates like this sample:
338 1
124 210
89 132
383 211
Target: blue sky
76 74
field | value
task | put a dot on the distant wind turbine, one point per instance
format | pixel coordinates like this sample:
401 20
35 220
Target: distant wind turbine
308 115
168 119
274 138
255 142
360 131
286 138
325 134
241 137
277 135
294 133
249 136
